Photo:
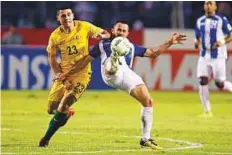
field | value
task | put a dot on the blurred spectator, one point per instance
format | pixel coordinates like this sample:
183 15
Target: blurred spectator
26 20
51 23
138 25
224 9
138 14
12 37
155 14
85 10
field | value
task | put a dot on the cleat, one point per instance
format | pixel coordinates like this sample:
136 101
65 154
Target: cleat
43 142
150 143
206 114
114 63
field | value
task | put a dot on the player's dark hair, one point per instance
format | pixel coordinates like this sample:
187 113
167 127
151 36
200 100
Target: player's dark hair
62 8
122 21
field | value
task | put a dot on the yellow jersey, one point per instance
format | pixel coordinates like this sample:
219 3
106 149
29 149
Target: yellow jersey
74 45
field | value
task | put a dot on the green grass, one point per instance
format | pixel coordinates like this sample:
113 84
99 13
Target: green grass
110 121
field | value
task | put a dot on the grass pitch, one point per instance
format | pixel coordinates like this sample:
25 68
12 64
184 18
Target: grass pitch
109 123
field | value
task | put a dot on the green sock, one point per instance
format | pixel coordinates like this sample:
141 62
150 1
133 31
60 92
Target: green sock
55 124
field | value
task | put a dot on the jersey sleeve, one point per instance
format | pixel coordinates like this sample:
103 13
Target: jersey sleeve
226 27
139 50
197 31
95 51
92 29
52 47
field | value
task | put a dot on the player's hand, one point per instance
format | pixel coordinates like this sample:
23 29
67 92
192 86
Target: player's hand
60 77
197 43
217 44
67 84
98 36
177 38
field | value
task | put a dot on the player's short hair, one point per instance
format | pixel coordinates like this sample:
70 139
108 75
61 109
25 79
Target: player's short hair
62 8
123 22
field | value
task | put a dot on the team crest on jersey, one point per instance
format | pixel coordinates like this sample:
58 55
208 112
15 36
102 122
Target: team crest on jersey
78 37
213 24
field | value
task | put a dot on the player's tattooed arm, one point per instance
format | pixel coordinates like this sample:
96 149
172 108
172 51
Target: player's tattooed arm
176 38
77 66
80 64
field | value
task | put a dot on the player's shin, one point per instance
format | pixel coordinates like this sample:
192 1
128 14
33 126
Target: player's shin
147 120
204 96
55 124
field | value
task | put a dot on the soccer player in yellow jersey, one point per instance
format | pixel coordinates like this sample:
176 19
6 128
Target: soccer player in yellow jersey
71 40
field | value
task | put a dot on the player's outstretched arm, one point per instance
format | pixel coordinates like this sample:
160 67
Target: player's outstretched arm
176 38
104 35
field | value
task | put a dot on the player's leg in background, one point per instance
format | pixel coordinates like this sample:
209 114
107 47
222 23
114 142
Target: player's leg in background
219 71
203 80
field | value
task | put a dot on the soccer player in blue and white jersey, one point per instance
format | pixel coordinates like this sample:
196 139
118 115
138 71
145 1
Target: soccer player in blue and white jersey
212 32
124 78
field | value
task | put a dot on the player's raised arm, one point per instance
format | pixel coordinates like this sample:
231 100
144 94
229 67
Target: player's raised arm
176 38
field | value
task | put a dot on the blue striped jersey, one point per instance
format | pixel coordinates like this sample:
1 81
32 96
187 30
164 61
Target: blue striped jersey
102 49
210 30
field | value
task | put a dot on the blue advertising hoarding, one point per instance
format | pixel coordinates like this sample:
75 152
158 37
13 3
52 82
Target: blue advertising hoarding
25 67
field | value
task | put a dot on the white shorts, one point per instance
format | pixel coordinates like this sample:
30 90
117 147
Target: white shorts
217 67
124 79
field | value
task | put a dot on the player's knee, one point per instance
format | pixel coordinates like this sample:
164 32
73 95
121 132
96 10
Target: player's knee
219 84
203 80
50 111
52 107
68 100
71 98
148 102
